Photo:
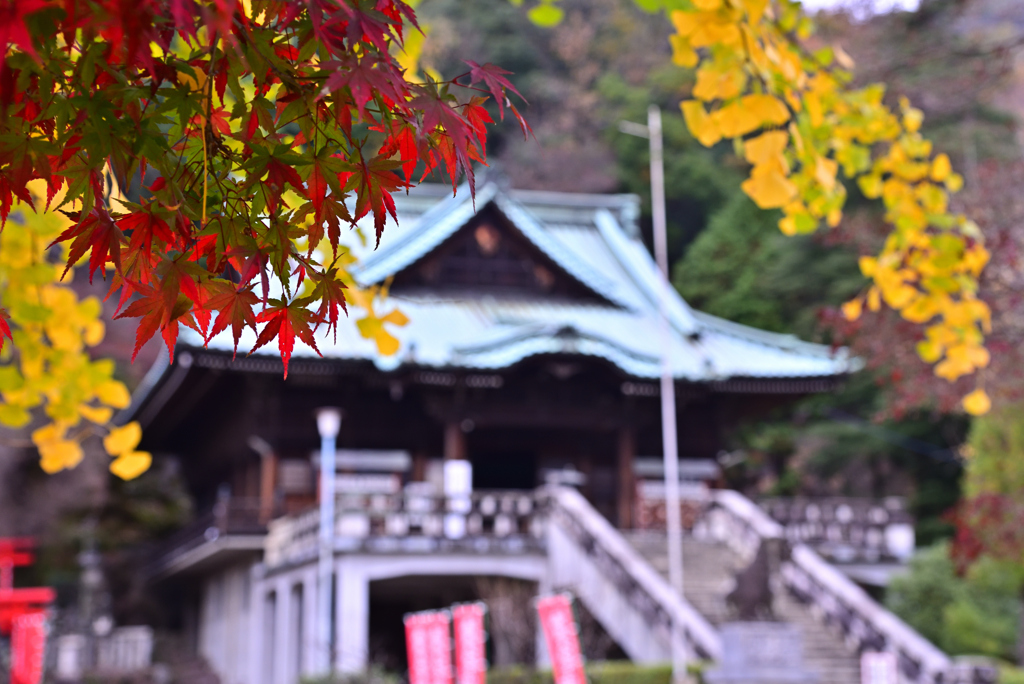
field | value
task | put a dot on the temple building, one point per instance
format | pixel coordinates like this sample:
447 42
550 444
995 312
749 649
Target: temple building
533 351
532 346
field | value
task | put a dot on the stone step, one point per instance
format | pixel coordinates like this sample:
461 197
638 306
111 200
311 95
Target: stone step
709 570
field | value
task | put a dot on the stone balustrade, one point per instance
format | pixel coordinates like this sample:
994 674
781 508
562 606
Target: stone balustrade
738 522
598 564
846 530
483 522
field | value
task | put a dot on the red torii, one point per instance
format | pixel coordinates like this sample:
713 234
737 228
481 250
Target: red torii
15 552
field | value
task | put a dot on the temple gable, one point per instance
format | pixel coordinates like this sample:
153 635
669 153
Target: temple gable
490 256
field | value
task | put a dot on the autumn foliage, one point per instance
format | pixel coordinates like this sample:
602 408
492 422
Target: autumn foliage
206 158
259 132
788 105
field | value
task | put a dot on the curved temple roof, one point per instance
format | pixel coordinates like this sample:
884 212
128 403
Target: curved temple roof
594 240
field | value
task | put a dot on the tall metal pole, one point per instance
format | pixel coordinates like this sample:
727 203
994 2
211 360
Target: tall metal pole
669 440
328 423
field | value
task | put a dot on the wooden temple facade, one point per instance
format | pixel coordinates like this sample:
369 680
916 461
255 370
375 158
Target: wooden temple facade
531 350
532 347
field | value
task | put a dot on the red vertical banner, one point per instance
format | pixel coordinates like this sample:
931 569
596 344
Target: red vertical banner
562 638
429 646
470 653
28 643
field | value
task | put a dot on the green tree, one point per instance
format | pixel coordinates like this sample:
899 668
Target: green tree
974 614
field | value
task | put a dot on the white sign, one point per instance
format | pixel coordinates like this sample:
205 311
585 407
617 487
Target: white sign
878 668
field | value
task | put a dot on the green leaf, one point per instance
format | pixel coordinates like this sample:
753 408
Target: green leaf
546 15
10 379
14 416
649 6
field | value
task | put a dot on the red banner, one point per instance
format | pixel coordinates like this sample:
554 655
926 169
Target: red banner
562 639
470 655
429 646
28 642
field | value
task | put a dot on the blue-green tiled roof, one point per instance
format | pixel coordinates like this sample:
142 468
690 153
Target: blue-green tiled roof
594 239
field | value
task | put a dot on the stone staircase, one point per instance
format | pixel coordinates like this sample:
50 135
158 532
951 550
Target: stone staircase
708 571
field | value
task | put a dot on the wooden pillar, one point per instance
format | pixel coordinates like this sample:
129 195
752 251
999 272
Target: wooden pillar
454 442
268 483
626 477
419 467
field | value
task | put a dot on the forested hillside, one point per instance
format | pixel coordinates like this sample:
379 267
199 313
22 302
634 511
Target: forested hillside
895 428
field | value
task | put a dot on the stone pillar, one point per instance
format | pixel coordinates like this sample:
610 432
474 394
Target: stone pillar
268 656
281 639
626 477
454 442
309 646
257 624
296 626
352 616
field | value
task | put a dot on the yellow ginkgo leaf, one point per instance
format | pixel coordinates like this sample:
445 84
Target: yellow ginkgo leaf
707 5
123 439
48 433
951 369
825 170
768 109
977 402
852 309
713 84
871 185
700 123
941 168
113 393
395 317
765 147
100 415
130 465
922 310
59 455
867 265
912 119
387 344
369 327
769 187
929 351
93 333
874 299
755 8
685 22
734 120
683 53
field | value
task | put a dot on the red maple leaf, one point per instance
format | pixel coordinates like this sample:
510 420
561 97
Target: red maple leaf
285 321
158 309
364 78
97 232
5 328
12 24
494 77
235 307
330 291
404 144
373 181
145 227
478 119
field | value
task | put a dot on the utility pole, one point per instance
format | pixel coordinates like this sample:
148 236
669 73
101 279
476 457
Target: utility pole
669 438
328 424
